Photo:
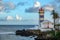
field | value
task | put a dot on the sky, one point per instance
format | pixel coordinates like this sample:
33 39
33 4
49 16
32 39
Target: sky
24 10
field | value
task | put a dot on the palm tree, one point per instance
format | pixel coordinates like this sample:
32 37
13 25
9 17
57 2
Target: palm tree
55 16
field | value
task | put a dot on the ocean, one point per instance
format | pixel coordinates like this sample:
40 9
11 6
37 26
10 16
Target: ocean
6 29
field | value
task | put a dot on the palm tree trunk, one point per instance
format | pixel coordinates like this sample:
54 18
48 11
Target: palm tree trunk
54 27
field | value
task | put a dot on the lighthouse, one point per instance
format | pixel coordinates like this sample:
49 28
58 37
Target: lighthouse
41 16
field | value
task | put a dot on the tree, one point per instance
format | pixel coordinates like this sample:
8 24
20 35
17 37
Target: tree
55 16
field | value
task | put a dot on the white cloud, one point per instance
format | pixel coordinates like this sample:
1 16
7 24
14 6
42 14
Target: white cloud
18 17
6 7
1 8
11 5
48 7
9 18
37 4
34 9
2 13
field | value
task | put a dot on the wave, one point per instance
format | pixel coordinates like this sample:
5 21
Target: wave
7 32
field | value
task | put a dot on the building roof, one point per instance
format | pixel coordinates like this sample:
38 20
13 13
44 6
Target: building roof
46 21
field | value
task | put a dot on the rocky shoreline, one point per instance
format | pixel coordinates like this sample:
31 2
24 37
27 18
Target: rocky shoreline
28 32
33 33
40 35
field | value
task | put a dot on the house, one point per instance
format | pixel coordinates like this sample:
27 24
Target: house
47 24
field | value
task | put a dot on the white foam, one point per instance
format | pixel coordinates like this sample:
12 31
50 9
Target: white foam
36 27
7 32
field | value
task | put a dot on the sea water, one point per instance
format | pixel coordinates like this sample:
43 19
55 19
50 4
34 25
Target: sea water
14 37
6 29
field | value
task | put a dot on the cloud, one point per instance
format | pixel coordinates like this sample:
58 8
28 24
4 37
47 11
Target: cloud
58 1
18 17
9 18
33 9
48 7
1 8
21 4
2 13
8 6
37 4
11 5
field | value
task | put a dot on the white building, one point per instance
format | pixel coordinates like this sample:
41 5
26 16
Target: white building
47 24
